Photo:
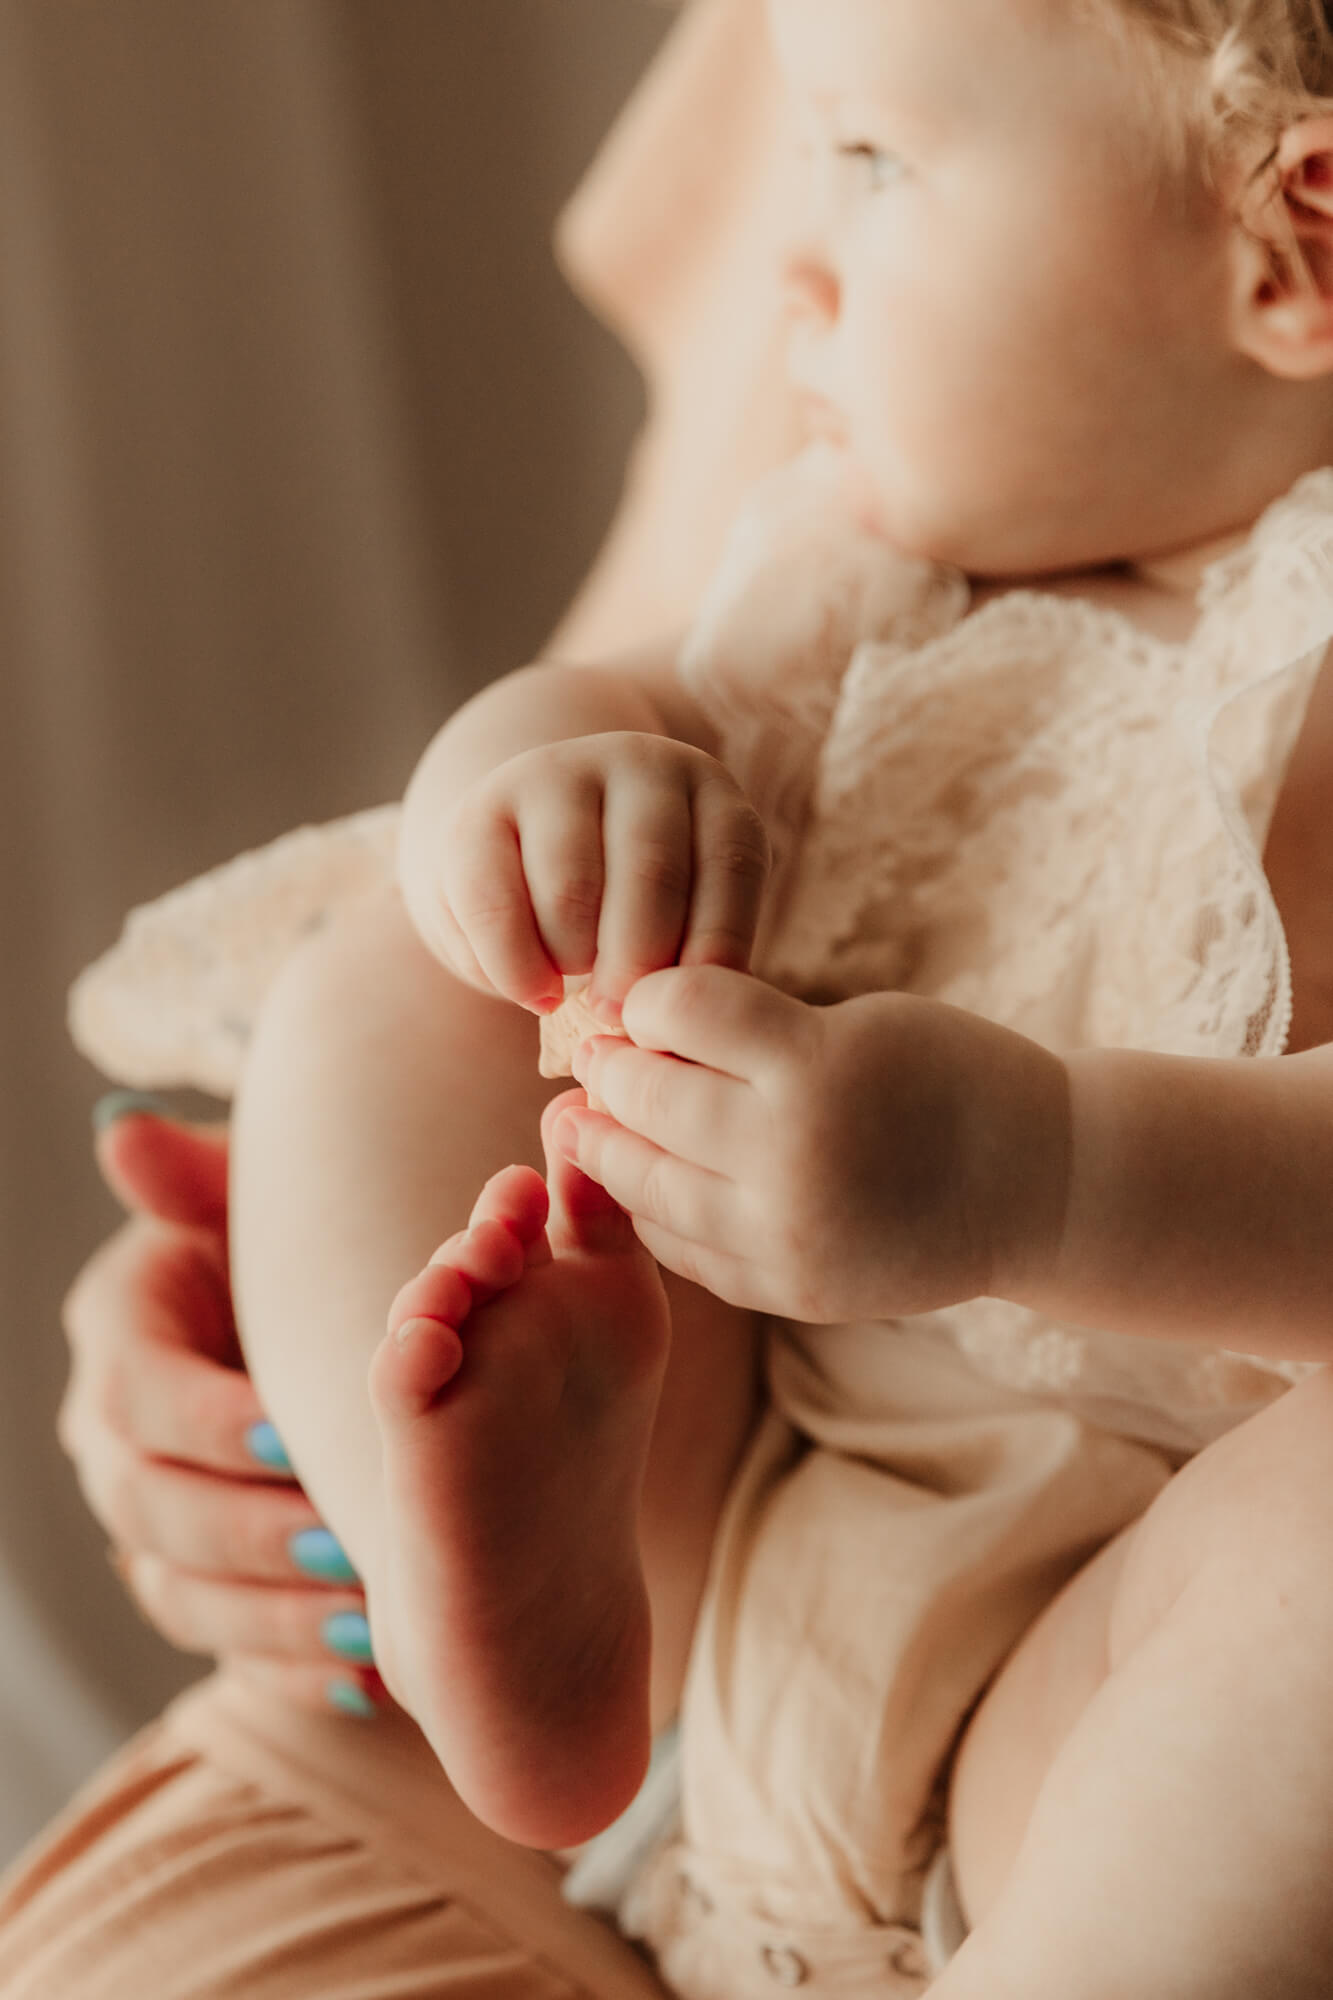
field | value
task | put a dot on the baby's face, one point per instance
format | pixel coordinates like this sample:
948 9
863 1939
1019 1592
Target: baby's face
1024 338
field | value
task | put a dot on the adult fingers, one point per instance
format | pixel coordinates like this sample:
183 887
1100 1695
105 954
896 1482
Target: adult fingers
357 1693
723 1019
695 1114
149 1326
161 1166
240 1530
731 864
202 1614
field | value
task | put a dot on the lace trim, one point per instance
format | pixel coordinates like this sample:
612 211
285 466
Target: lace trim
986 806
175 1000
1042 814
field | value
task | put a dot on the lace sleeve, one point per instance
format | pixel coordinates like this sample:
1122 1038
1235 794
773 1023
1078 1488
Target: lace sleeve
175 999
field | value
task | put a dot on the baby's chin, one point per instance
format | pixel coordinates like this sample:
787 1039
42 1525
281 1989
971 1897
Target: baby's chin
971 540
954 531
862 497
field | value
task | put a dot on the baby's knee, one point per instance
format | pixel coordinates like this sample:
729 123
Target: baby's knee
365 962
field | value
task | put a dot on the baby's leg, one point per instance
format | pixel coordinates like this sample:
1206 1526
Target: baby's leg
379 1096
1144 1802
516 1391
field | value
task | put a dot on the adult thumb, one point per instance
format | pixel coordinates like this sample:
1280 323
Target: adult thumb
162 1166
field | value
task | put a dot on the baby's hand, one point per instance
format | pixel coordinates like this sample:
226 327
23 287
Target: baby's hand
882 1157
615 855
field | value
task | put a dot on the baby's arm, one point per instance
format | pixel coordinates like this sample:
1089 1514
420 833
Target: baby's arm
569 813
891 1155
1197 1203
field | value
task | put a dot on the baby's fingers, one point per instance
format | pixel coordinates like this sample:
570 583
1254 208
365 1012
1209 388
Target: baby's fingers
488 898
561 839
731 863
648 834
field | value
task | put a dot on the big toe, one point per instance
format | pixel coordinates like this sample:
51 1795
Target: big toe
410 1367
517 1198
583 1214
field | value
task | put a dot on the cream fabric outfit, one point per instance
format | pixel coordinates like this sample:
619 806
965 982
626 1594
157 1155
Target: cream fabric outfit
1040 814
1034 811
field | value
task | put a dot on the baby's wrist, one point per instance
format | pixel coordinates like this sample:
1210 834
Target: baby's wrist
1030 1162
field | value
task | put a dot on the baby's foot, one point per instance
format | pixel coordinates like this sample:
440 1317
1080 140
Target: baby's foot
515 1393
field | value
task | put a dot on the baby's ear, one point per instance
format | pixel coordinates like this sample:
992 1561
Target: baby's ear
1286 267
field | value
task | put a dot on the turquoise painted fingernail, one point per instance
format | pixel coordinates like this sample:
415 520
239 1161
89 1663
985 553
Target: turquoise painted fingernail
348 1633
349 1699
263 1443
118 1104
321 1555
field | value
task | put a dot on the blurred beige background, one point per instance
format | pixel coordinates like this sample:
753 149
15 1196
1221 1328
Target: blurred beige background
301 438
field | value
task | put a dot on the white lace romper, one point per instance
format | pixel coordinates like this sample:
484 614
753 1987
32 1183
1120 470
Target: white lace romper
1037 812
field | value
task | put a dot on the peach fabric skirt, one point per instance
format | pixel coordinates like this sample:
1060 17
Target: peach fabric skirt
239 1849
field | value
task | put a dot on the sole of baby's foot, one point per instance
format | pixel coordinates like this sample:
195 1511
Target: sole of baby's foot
515 1394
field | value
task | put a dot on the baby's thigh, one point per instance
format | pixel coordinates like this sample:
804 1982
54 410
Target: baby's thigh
366 1021
1230 1563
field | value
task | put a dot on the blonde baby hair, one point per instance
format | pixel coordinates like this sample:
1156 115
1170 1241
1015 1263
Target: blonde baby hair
1250 68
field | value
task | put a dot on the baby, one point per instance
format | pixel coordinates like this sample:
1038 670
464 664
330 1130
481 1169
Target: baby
977 1068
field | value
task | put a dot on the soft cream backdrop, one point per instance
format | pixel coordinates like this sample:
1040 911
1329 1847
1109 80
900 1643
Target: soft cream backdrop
299 440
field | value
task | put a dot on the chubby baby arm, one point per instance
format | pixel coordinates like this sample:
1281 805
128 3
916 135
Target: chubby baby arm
575 819
892 1154
1195 1203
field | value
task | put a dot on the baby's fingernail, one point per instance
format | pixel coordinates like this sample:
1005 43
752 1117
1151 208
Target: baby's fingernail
550 1003
348 1633
322 1556
566 1135
267 1449
610 1013
350 1699
118 1104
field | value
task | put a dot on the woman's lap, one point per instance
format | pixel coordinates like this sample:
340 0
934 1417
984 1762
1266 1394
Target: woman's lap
238 1850
240 1847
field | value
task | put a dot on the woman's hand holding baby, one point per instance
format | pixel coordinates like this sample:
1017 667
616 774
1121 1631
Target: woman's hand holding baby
214 1539
615 854
885 1156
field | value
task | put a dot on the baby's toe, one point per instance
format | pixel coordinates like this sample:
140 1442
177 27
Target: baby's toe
517 1198
439 1292
490 1257
410 1367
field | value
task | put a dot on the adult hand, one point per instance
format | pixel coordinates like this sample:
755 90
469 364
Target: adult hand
886 1156
614 854
215 1539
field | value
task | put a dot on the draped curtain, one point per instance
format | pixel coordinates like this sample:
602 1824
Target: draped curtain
300 441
